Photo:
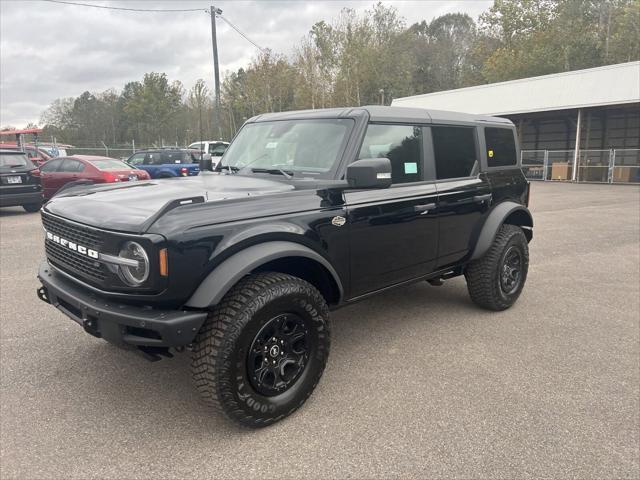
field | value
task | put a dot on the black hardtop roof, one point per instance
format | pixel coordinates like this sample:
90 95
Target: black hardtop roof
379 113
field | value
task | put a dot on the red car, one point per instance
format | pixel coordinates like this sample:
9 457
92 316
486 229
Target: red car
59 172
37 155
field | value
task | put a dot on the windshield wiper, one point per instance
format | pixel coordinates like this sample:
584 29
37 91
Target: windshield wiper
231 168
273 171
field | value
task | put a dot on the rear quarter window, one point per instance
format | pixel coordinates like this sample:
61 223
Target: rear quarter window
501 147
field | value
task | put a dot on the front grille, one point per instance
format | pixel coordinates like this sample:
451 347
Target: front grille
73 262
69 260
81 235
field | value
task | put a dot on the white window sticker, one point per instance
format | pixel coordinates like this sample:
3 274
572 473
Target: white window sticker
411 167
271 145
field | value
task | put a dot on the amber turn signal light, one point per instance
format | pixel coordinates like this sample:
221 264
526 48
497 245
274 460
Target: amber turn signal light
164 264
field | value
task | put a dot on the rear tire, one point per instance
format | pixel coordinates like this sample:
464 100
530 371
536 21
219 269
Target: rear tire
263 349
32 207
496 280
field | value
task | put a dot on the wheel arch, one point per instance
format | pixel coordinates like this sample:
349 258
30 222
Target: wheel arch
279 256
510 213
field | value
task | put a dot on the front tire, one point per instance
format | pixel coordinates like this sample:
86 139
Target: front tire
263 349
496 280
32 207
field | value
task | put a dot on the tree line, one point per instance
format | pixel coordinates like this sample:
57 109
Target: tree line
359 59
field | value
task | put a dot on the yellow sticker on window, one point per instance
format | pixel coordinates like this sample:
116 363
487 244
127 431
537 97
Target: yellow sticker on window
490 153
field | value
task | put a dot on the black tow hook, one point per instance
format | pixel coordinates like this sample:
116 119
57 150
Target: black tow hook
42 295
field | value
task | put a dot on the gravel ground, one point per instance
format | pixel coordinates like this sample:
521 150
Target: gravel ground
420 383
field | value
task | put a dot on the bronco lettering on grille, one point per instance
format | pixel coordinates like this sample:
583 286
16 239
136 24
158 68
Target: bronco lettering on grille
72 245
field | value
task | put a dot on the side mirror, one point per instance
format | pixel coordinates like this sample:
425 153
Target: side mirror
369 173
206 165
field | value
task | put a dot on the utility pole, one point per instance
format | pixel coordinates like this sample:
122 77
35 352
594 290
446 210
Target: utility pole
216 73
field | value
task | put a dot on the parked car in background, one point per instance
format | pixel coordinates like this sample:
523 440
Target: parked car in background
19 181
55 150
215 148
167 162
38 156
85 169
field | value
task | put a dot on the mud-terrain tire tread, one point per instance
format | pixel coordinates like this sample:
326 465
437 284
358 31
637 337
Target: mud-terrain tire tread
482 274
211 363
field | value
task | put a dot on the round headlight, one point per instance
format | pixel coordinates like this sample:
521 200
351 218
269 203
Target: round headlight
134 276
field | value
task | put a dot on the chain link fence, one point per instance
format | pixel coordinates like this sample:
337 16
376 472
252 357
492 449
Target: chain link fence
616 165
119 151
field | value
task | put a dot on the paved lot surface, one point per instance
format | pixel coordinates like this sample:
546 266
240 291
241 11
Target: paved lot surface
420 383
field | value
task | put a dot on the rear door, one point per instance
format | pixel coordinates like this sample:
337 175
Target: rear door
69 171
49 177
394 231
464 193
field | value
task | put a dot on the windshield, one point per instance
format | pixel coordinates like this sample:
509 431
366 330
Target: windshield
295 147
13 160
110 164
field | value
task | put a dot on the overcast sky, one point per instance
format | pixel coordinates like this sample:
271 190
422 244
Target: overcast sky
52 50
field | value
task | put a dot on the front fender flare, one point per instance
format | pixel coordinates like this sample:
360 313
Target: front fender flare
493 223
231 270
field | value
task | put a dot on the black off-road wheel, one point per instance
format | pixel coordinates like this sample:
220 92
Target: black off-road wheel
32 207
496 280
263 349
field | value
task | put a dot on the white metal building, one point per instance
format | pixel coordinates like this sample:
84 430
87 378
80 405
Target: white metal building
599 106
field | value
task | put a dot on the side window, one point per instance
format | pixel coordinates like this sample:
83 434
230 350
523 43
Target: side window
71 166
501 147
51 166
189 157
402 144
217 150
153 158
171 157
136 159
454 149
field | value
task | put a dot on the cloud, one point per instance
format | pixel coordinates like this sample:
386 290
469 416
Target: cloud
48 50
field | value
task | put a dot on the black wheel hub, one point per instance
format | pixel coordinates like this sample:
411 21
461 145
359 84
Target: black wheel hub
278 354
511 270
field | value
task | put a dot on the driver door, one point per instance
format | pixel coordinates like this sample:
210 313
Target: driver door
393 232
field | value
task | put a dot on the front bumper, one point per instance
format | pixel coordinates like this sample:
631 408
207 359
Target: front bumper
121 324
18 199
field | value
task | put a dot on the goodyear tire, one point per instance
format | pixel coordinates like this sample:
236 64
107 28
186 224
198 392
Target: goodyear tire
496 280
263 349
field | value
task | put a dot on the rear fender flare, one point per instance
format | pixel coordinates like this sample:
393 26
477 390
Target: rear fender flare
499 214
231 270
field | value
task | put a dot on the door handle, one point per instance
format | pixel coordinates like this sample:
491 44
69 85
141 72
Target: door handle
482 198
424 209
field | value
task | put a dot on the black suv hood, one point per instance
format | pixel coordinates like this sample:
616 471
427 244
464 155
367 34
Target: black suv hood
131 206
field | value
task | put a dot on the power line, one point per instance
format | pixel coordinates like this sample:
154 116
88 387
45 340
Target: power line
159 10
263 50
106 7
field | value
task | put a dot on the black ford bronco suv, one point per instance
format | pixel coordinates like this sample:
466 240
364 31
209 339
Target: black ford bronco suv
306 212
